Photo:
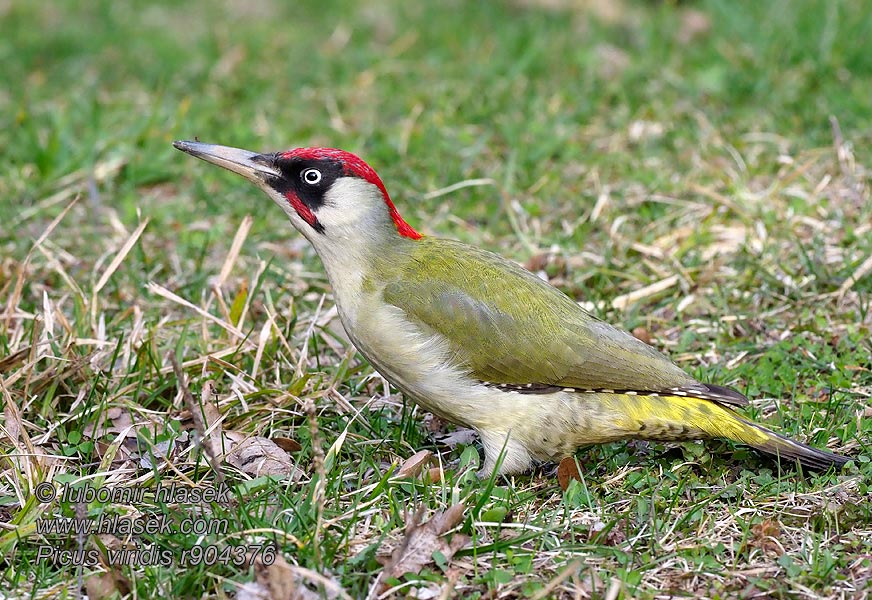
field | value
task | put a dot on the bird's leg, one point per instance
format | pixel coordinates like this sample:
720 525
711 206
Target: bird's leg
500 447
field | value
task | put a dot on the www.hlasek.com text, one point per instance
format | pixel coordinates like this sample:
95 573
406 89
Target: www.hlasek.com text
120 525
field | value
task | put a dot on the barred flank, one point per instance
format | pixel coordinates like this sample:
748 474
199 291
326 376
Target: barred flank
668 418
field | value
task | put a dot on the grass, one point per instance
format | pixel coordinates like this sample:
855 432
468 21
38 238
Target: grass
707 164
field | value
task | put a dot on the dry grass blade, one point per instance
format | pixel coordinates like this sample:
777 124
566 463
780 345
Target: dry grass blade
28 461
209 432
570 570
113 266
72 184
227 267
21 275
262 340
626 300
158 289
214 357
235 248
864 269
458 186
119 257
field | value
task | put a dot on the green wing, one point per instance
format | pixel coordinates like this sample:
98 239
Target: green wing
507 326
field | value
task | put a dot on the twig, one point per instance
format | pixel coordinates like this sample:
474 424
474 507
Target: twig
197 416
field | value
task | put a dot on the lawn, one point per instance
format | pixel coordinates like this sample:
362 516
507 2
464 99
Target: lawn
171 359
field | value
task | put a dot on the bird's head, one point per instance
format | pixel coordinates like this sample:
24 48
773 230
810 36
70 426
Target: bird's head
329 195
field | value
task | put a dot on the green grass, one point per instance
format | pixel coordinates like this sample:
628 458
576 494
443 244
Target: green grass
625 147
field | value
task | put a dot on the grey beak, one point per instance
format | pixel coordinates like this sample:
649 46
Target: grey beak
251 165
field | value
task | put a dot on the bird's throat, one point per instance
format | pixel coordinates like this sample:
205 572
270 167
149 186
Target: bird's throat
305 212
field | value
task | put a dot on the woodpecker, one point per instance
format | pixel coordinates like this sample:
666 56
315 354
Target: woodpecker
478 340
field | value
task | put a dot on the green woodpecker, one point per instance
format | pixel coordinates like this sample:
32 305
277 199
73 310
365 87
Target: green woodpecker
478 340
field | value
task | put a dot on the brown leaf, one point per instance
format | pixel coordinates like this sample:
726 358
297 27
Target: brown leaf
766 534
117 420
277 578
642 334
12 422
422 540
413 465
287 444
122 454
434 474
8 363
260 456
434 424
537 262
100 586
109 584
615 536
111 542
281 581
567 470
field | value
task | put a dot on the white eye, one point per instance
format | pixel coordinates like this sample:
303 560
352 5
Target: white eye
311 176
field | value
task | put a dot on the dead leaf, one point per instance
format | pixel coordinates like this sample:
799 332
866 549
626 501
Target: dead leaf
122 454
108 584
433 424
12 422
615 536
287 444
111 542
765 536
421 540
281 581
642 334
413 465
259 456
567 470
163 450
460 436
101 585
278 579
8 363
117 420
537 262
252 590
434 474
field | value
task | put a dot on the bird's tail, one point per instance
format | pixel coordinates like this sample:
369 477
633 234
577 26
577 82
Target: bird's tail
790 450
673 418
